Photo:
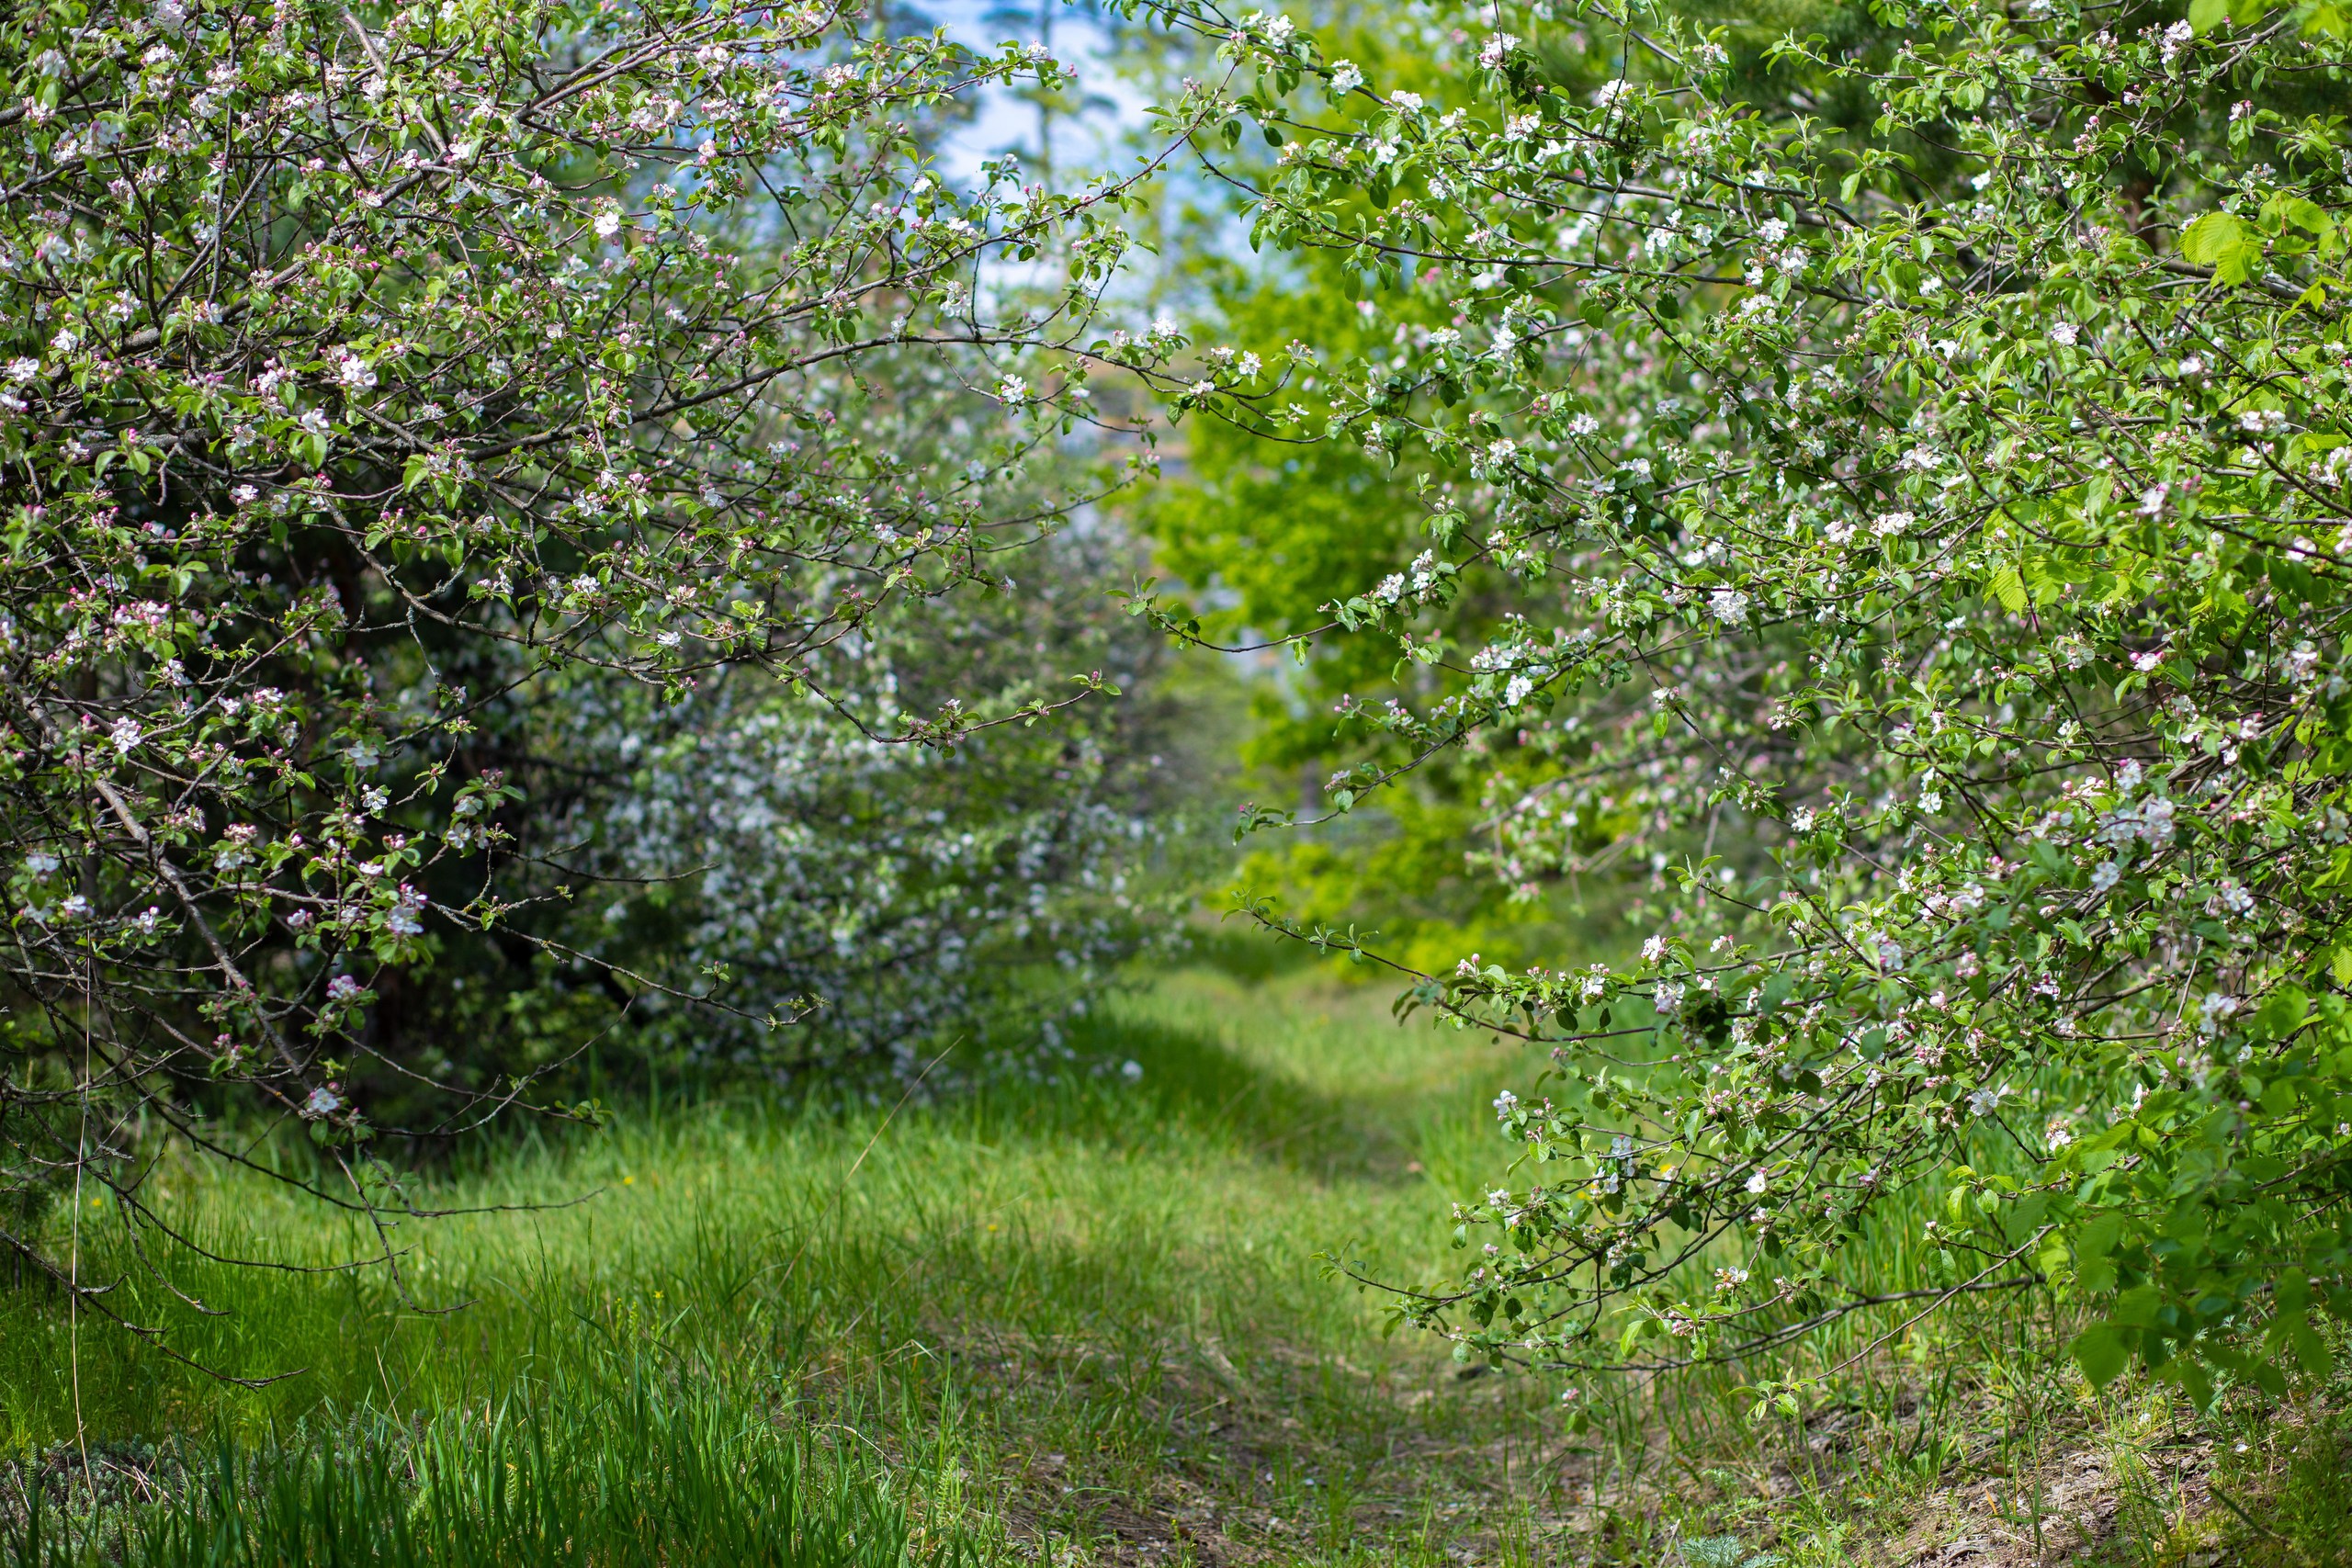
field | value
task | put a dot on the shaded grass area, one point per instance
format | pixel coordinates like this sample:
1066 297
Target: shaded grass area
1074 1312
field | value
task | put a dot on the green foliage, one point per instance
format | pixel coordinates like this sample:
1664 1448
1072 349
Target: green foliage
1724 1551
423 423
1934 560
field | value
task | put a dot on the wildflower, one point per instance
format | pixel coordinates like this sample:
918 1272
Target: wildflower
1505 1103
1984 1101
126 735
1758 1182
1728 606
1345 76
2106 875
322 1102
2063 333
342 988
1653 950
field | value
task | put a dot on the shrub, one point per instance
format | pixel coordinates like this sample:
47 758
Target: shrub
1924 543
393 389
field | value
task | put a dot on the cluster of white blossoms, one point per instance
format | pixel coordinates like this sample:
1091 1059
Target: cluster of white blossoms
1941 597
391 402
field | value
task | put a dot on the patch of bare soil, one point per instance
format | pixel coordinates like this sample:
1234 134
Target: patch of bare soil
2058 1513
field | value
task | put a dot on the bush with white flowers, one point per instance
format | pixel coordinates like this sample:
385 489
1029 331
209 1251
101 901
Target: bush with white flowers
400 400
1920 549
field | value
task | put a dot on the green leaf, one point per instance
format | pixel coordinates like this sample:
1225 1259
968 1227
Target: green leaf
2219 241
2195 1382
2301 212
2311 1351
2206 14
2101 1353
2283 1014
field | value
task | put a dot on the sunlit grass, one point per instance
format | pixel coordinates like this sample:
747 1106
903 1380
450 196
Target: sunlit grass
1075 1265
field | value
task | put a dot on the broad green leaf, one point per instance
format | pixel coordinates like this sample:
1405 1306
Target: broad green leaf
2101 1353
2219 241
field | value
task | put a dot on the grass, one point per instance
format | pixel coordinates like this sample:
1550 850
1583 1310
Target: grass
1069 1313
625 1469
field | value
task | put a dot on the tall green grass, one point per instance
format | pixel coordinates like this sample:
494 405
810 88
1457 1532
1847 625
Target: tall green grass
1077 1206
624 1470
1048 1273
1070 1308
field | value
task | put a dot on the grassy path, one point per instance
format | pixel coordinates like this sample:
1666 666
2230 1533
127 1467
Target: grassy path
1074 1312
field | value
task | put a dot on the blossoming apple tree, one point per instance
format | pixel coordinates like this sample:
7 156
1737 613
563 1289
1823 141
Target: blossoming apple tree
1910 481
375 374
